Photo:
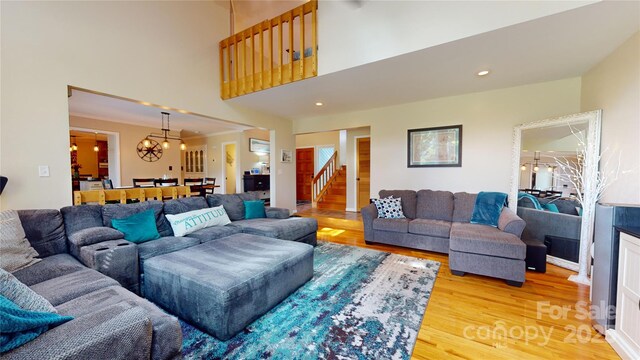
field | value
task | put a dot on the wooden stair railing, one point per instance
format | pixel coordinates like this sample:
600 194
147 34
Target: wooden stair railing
322 180
255 59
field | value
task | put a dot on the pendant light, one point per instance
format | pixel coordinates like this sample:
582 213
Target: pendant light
166 136
74 146
96 148
536 158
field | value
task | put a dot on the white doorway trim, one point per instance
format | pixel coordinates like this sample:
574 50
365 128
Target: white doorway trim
354 196
223 157
113 153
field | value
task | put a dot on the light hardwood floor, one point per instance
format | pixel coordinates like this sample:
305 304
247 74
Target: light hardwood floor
476 317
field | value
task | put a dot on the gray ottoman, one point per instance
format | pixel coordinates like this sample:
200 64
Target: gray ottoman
224 285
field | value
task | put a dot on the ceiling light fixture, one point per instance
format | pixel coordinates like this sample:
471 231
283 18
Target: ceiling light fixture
74 146
166 136
483 73
536 158
96 148
319 103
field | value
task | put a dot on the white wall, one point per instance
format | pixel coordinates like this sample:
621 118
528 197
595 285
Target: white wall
614 86
487 117
162 52
376 30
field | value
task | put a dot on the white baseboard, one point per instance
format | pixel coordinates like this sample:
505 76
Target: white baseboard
351 210
619 344
562 263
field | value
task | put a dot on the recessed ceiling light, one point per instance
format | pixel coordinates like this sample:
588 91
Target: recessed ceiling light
319 103
483 72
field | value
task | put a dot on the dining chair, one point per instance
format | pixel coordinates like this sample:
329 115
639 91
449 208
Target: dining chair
209 189
166 182
195 184
143 182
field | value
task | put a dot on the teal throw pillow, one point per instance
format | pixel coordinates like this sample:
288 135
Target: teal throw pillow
254 209
138 227
551 208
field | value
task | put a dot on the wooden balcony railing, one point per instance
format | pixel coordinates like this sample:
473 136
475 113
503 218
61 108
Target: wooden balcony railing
320 183
271 53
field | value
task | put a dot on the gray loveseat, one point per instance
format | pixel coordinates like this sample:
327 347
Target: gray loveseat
439 221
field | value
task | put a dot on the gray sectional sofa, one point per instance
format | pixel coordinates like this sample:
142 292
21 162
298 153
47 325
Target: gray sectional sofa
109 321
440 221
90 272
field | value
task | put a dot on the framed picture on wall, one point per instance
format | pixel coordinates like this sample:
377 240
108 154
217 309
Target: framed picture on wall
257 145
435 147
286 156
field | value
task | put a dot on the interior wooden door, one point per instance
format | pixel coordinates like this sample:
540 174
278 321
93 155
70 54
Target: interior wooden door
363 171
304 173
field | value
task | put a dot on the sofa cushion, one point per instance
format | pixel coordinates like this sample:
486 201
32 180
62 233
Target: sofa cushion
215 232
15 251
167 337
162 246
119 211
70 286
486 240
435 205
121 331
81 217
437 228
393 225
408 200
45 231
286 229
49 268
182 205
233 203
463 204
90 236
21 295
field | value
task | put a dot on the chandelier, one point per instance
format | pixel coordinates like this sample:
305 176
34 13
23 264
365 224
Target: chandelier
165 135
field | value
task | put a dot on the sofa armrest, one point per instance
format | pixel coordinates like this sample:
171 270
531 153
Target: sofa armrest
510 222
277 213
118 259
121 331
90 236
369 213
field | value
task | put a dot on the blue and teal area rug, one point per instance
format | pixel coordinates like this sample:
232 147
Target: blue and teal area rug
360 304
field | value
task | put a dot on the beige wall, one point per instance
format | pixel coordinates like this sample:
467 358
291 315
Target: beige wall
248 159
352 195
487 117
614 86
374 30
131 165
318 139
165 53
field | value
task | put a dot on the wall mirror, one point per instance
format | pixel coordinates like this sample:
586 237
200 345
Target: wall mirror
554 173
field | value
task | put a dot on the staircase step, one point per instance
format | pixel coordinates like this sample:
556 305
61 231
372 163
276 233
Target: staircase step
334 198
331 206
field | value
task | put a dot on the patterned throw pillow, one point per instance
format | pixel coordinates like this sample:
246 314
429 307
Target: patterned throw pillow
389 208
22 295
16 250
